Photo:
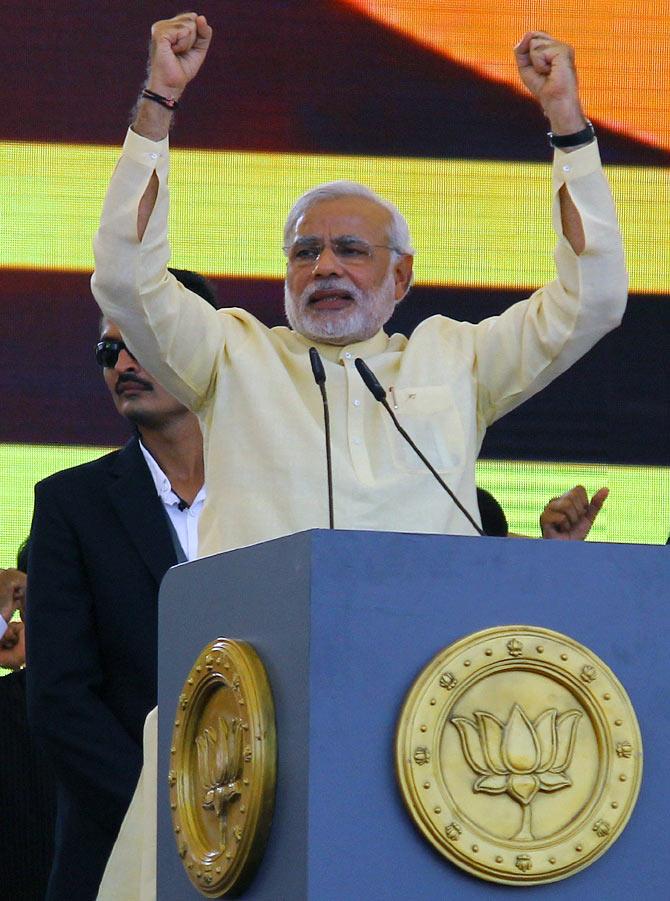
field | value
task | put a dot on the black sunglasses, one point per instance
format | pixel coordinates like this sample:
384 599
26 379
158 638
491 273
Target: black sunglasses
107 352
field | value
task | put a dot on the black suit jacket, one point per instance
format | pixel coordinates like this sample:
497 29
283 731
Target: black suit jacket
100 546
27 800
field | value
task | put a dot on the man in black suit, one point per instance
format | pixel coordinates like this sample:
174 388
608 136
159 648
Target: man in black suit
102 538
27 794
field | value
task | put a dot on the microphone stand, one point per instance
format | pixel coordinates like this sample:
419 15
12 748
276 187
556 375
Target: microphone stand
320 378
379 393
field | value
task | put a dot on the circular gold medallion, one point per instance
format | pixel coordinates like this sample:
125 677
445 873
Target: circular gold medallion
519 755
223 767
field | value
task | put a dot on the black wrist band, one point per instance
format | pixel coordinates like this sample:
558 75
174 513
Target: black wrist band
168 102
585 136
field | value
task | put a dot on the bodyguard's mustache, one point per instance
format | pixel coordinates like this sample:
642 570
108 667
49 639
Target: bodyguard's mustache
128 378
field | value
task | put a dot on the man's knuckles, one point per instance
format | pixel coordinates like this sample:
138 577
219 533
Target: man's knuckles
173 30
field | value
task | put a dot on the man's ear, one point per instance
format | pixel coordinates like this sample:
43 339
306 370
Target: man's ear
402 272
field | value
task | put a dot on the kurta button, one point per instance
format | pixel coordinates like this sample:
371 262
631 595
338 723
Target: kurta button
357 403
348 355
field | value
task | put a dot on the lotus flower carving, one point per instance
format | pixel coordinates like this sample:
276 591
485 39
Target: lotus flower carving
519 757
220 764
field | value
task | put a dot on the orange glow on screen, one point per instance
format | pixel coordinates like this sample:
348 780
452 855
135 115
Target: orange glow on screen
621 48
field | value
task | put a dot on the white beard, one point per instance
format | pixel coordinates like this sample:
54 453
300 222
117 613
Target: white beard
369 311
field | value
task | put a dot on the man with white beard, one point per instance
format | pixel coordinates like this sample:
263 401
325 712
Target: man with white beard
349 262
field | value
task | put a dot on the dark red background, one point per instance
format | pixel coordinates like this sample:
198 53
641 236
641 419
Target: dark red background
295 76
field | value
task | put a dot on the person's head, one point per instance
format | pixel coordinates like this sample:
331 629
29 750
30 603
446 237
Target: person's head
349 262
136 394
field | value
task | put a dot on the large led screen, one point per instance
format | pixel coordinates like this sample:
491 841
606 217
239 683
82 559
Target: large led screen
417 98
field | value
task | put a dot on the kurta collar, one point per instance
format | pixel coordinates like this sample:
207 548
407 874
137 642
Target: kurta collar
335 352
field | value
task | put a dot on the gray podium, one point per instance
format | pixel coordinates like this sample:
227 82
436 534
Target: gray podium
344 622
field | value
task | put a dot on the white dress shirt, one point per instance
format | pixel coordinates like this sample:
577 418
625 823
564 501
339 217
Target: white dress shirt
185 521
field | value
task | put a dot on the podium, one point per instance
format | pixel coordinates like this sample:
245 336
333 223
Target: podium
344 622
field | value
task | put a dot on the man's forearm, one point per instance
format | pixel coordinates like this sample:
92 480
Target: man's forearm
178 49
146 206
565 118
571 221
152 120
547 68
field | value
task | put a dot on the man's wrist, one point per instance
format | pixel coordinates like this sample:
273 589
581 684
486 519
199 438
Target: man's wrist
565 116
162 87
153 117
573 140
168 101
152 120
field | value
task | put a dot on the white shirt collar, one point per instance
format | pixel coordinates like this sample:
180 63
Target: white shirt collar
162 483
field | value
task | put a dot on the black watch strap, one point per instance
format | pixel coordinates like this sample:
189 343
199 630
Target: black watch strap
585 136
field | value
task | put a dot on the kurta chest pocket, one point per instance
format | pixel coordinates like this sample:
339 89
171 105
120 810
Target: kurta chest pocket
429 416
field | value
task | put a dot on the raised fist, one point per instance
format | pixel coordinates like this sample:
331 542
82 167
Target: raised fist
547 68
178 49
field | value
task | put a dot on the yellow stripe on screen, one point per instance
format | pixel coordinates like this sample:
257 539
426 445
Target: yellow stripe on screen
475 223
21 466
636 510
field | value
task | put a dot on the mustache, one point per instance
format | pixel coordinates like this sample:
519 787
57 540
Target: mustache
129 378
330 284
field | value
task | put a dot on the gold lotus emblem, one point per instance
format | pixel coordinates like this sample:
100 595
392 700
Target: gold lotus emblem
223 766
519 757
220 766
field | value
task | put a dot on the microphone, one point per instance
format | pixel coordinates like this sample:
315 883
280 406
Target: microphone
320 378
379 393
317 367
372 383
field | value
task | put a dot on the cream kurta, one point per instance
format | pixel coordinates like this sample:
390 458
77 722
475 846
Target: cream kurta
260 411
261 414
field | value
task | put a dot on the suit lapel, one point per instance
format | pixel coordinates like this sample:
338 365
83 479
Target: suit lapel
133 495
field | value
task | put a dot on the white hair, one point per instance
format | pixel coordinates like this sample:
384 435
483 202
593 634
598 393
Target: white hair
399 236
